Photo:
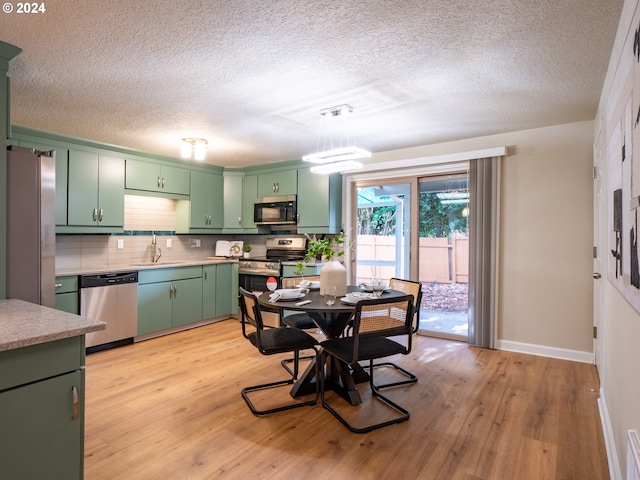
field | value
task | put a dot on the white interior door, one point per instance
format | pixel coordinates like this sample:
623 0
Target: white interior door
598 242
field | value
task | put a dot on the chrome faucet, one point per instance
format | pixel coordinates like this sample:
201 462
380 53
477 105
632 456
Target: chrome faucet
156 253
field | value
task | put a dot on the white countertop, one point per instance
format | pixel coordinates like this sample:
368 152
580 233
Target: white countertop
139 266
23 324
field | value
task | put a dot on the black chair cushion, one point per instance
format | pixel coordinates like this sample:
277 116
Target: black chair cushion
369 348
299 320
280 340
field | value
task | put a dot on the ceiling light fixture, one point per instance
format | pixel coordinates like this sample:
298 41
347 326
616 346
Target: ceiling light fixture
338 151
196 147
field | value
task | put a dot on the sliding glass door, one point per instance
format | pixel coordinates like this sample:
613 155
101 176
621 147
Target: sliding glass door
443 254
417 228
383 225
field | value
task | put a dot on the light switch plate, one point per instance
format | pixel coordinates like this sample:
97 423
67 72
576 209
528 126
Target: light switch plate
168 243
120 243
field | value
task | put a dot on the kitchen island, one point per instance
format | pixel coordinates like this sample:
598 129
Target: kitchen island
42 390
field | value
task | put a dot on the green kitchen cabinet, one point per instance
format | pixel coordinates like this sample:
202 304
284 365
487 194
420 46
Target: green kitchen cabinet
202 213
169 297
67 298
225 296
249 194
62 156
319 202
218 290
233 207
284 182
95 190
153 177
42 391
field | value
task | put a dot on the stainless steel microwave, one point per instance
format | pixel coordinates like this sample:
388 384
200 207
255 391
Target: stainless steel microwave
279 210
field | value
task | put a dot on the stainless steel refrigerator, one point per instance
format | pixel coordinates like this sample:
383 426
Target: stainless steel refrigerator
31 229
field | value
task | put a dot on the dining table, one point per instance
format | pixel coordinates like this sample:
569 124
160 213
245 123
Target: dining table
332 320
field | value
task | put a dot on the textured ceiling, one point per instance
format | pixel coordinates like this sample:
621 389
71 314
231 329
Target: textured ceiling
251 76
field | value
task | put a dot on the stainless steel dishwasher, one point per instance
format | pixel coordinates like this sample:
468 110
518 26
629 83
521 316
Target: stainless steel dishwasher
113 299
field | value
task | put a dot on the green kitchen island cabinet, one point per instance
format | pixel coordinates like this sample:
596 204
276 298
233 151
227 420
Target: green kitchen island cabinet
284 182
95 192
153 177
202 213
42 391
319 202
169 297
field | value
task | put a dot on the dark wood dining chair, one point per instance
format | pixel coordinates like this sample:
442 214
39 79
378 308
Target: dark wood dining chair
378 324
271 341
414 289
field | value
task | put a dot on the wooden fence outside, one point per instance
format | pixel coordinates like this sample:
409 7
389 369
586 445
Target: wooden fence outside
443 260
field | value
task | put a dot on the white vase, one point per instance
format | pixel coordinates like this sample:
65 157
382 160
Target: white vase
334 273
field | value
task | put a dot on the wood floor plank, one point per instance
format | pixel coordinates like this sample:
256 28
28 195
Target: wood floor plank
170 408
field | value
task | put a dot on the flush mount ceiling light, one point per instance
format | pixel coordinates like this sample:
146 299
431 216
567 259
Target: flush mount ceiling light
335 149
196 147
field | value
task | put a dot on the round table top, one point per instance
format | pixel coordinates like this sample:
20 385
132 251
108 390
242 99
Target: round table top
317 301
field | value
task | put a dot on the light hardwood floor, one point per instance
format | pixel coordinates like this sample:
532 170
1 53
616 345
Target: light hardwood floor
170 408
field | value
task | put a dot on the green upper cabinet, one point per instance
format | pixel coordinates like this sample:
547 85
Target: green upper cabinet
62 155
152 177
95 190
203 212
319 202
284 182
233 204
249 194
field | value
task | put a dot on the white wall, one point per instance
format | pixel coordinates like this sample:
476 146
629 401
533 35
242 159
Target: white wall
620 325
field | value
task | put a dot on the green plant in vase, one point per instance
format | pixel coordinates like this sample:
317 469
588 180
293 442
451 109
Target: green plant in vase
333 272
246 250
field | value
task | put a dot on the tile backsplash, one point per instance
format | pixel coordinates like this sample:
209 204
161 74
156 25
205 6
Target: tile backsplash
142 216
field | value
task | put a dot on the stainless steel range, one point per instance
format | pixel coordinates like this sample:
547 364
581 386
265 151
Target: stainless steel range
254 272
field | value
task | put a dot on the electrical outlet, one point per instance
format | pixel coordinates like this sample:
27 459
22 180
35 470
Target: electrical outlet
168 243
120 243
195 243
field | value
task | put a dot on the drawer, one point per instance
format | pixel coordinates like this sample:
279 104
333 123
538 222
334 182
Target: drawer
67 284
157 275
44 360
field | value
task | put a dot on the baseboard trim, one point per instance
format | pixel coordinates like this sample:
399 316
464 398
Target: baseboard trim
609 440
545 351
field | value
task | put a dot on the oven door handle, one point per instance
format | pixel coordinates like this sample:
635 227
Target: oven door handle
260 273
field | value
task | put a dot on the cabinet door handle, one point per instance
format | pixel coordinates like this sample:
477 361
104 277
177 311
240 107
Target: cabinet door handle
162 182
239 220
76 403
273 187
210 221
158 182
58 285
95 214
101 215
171 291
175 291
205 274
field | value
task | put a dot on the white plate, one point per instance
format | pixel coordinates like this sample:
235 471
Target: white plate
352 300
368 288
290 293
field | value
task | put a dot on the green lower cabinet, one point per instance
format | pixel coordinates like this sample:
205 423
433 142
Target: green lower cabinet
218 290
224 295
168 298
67 294
187 301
